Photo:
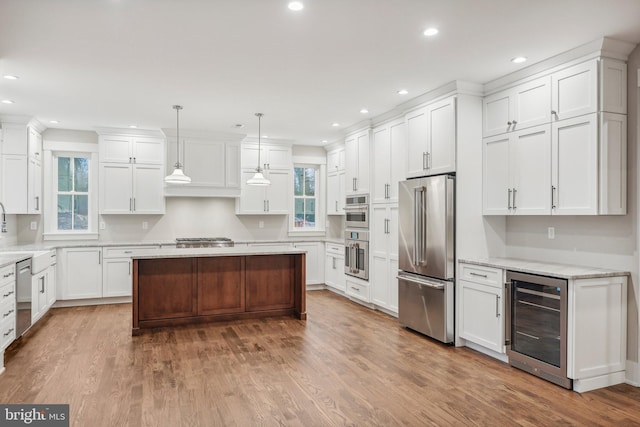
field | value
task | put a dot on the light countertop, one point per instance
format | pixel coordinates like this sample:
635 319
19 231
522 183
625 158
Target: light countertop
563 271
213 252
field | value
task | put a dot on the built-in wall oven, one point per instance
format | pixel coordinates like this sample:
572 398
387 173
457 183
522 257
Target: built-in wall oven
537 330
357 211
356 253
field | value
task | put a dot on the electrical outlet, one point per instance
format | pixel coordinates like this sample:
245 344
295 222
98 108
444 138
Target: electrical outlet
261 224
102 225
145 225
33 225
551 233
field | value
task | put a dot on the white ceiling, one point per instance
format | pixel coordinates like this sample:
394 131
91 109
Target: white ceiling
112 63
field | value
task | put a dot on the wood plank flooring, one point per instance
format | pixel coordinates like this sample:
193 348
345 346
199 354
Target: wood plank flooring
346 365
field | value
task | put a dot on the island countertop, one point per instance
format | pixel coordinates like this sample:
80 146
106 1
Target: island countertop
216 252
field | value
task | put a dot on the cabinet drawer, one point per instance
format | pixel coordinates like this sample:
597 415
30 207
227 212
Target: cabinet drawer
358 290
7 293
7 310
480 274
7 332
7 274
126 251
335 249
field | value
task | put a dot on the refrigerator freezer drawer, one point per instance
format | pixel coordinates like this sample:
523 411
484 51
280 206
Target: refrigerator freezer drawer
426 306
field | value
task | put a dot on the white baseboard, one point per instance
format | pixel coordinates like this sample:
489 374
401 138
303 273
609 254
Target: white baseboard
600 381
633 373
501 357
91 301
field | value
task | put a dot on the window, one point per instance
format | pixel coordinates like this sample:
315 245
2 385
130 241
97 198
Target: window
70 188
305 198
73 193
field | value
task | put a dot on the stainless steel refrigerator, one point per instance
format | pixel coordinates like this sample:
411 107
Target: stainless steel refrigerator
427 255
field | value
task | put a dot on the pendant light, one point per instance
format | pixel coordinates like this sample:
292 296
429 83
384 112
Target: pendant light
178 176
258 178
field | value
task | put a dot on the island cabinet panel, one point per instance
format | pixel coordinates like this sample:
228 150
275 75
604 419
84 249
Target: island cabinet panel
167 288
220 285
270 282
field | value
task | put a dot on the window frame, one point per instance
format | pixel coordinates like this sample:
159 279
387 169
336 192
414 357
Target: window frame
318 197
52 150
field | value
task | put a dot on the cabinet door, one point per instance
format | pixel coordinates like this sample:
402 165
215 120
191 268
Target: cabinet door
351 164
116 188
379 279
51 285
269 282
497 110
417 142
167 288
442 137
204 162
496 198
398 136
252 199
333 194
334 272
278 157
481 315
313 263
379 244
232 167
148 189
149 151
362 181
116 277
35 145
574 91
612 196
530 171
14 183
575 166
278 201
115 149
531 103
82 274
220 285
332 161
381 164
38 295
34 196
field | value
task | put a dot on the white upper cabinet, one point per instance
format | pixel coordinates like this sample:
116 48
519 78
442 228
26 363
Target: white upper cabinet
277 164
335 181
21 173
431 139
212 162
131 174
517 173
582 158
523 106
388 161
357 163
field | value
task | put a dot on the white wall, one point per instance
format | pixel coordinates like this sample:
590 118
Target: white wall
10 238
602 241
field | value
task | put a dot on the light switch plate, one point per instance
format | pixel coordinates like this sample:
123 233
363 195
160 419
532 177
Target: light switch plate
145 225
102 225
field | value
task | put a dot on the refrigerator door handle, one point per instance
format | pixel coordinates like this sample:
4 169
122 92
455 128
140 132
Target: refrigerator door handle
416 225
422 282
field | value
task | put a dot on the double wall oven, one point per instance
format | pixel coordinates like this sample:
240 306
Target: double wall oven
356 248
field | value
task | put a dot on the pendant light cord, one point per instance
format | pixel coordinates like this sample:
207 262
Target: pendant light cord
259 133
178 108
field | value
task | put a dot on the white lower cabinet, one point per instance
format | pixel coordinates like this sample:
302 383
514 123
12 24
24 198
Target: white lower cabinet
358 289
334 276
43 291
80 273
384 250
116 277
314 262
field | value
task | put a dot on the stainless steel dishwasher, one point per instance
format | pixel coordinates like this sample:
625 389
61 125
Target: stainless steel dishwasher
23 294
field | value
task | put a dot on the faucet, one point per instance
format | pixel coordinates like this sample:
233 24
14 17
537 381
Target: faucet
4 219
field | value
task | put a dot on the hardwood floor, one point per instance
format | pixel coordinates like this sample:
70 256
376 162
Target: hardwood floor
345 365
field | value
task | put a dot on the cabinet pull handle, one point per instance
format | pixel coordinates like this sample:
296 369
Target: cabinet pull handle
553 196
129 268
353 184
7 294
336 206
42 285
130 204
99 257
514 198
509 123
428 160
264 205
37 203
477 274
333 262
8 313
8 332
268 207
424 160
515 122
355 289
497 306
134 204
509 199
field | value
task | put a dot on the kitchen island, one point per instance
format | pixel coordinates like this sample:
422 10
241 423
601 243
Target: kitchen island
181 286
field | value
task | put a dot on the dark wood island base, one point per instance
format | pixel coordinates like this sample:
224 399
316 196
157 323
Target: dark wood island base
183 290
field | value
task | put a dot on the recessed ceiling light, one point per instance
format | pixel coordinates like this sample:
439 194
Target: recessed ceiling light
7 101
518 59
10 77
295 5
265 136
364 111
430 32
55 122
403 92
335 125
324 141
133 126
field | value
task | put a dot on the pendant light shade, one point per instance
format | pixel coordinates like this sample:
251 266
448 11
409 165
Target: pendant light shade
178 176
258 179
